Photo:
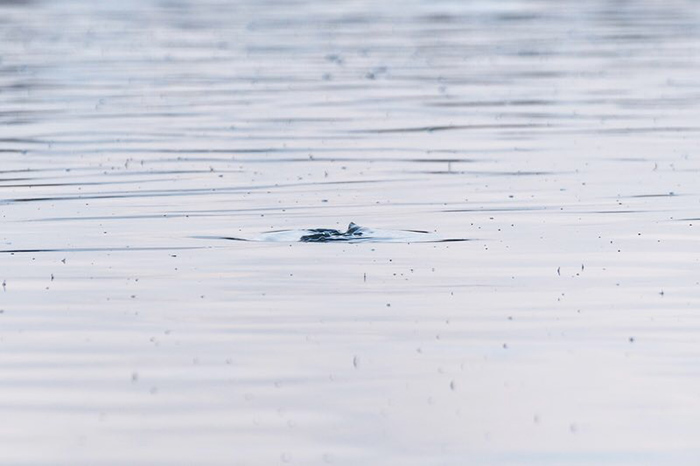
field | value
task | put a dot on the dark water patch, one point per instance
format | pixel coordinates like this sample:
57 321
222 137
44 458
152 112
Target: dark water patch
130 172
650 129
11 180
493 103
292 120
494 173
17 122
138 217
26 170
606 212
85 183
38 170
627 159
499 209
670 194
350 160
16 3
192 192
429 160
194 151
144 115
23 141
113 249
347 160
313 157
432 129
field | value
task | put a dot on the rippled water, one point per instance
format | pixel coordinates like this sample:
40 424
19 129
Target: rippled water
561 138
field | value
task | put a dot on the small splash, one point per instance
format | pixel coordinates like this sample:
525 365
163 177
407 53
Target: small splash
354 234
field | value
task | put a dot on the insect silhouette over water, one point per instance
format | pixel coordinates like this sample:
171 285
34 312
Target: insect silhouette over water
354 234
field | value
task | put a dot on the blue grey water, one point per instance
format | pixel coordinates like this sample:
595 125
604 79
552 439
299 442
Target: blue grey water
562 138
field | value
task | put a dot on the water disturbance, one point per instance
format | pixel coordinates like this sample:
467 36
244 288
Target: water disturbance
353 234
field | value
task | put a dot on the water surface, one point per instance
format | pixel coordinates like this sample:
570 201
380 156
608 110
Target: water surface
561 138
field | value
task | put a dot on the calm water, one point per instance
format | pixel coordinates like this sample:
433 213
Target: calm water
561 138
